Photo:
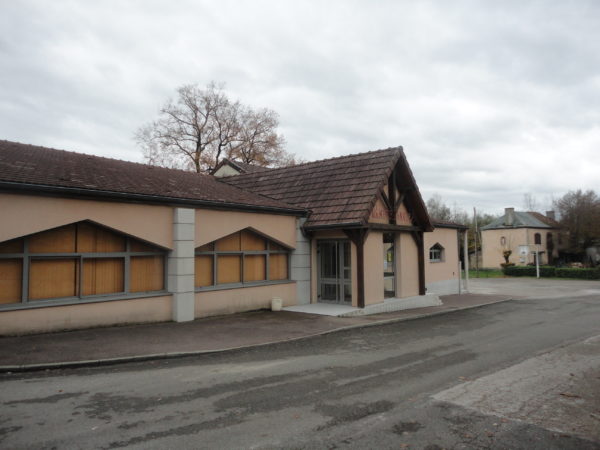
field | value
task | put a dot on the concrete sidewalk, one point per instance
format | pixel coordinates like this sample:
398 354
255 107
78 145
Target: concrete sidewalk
113 345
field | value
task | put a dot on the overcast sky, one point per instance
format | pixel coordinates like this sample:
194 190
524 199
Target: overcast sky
490 100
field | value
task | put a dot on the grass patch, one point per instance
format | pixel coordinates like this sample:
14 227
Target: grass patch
486 273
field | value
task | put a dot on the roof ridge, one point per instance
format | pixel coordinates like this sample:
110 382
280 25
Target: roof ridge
89 155
351 155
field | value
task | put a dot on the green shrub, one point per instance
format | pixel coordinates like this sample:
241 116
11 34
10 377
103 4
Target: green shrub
519 271
582 274
529 271
547 271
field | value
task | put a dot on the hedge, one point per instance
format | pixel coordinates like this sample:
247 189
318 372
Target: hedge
584 274
549 271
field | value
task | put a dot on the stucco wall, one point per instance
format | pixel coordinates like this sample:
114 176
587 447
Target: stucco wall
214 224
544 247
408 267
228 301
71 317
373 249
380 213
225 170
448 268
26 214
492 247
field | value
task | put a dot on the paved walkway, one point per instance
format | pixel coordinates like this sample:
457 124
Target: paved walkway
160 340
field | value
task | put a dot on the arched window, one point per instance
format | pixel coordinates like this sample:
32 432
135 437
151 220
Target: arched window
80 261
503 241
436 253
537 239
242 258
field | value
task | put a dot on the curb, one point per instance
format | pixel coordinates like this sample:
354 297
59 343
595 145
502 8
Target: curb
176 355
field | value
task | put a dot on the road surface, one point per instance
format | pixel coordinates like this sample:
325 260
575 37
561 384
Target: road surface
499 376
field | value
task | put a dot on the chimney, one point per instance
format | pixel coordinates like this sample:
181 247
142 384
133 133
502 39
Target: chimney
509 216
550 215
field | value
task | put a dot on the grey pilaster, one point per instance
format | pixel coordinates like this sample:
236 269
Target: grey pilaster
180 275
301 265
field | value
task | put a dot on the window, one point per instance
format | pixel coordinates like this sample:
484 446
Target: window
436 253
77 262
503 241
537 239
242 258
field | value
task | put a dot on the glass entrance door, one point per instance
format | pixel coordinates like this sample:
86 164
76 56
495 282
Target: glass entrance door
334 281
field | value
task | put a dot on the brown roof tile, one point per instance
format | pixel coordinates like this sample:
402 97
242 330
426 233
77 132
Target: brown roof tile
544 219
337 190
43 168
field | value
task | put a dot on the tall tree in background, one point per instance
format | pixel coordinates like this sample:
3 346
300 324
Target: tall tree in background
202 126
438 210
530 203
579 213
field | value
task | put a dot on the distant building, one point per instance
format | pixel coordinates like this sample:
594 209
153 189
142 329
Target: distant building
522 233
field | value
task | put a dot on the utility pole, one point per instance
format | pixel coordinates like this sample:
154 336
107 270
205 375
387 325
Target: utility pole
476 244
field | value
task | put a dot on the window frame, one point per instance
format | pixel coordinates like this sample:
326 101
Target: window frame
27 257
243 253
440 249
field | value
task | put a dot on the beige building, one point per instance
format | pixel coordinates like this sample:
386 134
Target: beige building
525 234
442 255
88 241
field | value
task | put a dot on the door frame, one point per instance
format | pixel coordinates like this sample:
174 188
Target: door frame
340 281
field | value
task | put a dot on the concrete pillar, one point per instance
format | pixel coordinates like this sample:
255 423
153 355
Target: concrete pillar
300 270
180 279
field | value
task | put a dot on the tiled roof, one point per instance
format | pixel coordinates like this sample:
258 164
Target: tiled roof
449 224
249 168
338 191
40 168
522 219
547 220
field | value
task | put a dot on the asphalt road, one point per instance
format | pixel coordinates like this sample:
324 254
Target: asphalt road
390 386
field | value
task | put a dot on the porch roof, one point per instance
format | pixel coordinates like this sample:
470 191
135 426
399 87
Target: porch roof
339 192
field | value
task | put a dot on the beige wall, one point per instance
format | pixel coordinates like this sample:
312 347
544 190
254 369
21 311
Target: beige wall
71 317
26 214
214 224
380 214
448 268
373 249
225 171
492 248
408 267
229 301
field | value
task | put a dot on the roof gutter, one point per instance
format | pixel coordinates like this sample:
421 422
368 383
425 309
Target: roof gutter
447 225
125 196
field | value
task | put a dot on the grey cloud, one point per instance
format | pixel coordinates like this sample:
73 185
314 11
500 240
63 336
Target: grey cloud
488 99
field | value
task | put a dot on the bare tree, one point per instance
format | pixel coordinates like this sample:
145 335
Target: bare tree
438 210
199 128
530 202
